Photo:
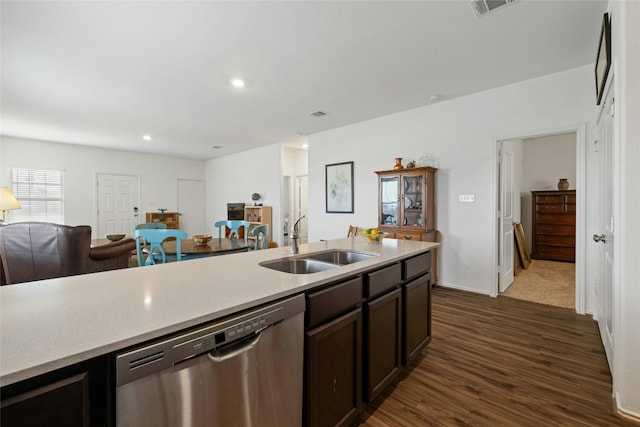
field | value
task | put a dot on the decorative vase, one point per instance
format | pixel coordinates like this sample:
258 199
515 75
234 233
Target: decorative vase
563 184
398 164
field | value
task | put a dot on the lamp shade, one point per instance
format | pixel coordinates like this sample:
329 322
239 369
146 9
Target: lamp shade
7 201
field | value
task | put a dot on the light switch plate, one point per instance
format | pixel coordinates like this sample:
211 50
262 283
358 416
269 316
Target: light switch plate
466 198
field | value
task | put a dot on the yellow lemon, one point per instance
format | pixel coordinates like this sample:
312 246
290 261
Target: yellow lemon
374 231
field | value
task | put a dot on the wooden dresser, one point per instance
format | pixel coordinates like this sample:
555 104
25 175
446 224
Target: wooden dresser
553 228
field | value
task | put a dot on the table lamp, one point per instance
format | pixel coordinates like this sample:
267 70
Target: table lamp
7 201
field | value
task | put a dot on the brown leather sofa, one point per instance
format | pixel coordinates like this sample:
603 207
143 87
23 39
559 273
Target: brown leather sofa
37 250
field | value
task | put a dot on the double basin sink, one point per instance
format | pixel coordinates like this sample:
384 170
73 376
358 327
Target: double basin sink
316 261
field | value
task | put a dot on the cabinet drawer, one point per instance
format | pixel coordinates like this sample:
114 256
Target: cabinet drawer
558 230
382 280
555 219
553 199
327 303
557 253
417 265
549 208
408 235
548 239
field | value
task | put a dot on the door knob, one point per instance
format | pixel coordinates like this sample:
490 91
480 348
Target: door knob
601 238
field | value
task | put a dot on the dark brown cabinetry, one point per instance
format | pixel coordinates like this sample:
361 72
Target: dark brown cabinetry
383 339
360 335
75 396
383 320
553 229
333 362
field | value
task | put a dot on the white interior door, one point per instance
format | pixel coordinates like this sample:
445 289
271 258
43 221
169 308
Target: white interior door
118 201
191 205
505 278
302 207
605 226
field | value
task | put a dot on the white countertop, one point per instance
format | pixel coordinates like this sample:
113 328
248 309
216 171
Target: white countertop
54 323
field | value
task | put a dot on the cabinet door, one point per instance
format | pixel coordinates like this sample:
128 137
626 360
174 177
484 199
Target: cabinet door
413 200
64 403
333 389
417 318
389 198
383 342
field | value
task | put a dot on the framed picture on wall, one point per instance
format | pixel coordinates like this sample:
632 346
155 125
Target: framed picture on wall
339 187
603 60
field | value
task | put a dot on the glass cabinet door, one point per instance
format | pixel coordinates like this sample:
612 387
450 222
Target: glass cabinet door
389 200
413 200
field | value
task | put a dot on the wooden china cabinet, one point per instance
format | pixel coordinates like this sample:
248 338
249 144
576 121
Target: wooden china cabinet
406 205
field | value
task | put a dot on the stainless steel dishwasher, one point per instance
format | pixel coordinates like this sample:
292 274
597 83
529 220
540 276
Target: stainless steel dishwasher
245 371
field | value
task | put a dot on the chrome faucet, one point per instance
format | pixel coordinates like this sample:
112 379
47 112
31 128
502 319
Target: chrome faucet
295 235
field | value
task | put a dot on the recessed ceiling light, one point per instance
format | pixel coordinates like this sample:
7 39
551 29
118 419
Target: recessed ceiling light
237 82
146 137
305 145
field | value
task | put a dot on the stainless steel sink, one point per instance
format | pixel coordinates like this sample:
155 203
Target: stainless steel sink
340 257
298 265
316 262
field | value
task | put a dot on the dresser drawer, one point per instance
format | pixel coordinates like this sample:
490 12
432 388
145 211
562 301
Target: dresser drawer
328 303
556 229
547 239
550 208
555 253
555 219
382 280
554 199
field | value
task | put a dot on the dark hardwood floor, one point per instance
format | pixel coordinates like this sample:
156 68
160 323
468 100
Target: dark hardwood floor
502 362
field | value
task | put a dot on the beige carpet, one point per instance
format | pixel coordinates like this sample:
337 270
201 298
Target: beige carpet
545 282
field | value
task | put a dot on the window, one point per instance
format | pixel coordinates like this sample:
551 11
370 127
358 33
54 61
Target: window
39 192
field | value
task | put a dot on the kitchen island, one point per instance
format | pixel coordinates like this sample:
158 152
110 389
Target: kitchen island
57 323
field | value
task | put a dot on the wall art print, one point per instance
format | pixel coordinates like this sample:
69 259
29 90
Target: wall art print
339 187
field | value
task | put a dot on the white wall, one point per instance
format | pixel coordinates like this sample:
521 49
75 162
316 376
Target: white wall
462 134
158 174
234 178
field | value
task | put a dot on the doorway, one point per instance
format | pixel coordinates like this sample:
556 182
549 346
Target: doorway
191 205
118 201
301 203
513 179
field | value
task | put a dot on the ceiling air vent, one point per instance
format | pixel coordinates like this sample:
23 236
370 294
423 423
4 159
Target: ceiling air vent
482 7
318 113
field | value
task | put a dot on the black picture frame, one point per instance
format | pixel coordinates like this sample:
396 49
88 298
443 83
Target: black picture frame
603 59
339 187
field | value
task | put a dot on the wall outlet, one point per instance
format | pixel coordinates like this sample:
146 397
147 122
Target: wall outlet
466 198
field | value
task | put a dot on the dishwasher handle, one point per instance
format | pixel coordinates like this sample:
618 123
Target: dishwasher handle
237 348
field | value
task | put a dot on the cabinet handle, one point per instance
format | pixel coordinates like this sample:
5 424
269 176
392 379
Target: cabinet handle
407 237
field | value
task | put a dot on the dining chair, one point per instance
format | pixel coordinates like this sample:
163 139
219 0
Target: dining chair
154 238
261 234
353 231
234 228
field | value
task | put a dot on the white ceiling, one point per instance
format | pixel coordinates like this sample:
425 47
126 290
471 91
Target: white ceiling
105 73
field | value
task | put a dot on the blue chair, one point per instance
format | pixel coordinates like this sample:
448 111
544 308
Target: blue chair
261 234
154 238
234 227
150 226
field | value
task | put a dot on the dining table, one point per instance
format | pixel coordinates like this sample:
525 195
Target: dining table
216 246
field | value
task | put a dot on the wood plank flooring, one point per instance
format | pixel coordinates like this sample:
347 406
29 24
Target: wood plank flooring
502 362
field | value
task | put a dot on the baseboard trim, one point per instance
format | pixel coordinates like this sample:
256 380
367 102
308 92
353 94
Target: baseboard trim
627 416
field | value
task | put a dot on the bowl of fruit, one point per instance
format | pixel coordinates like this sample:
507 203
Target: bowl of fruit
373 235
201 239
